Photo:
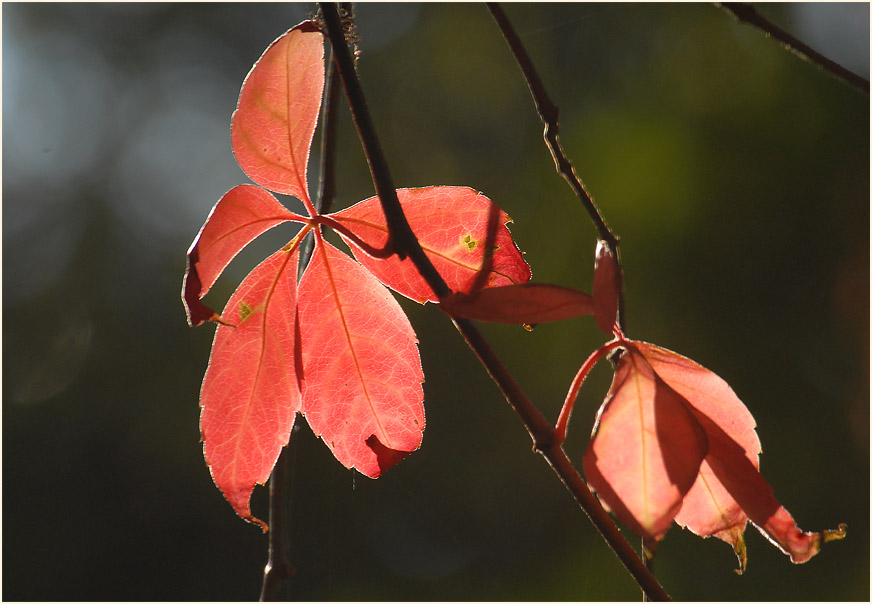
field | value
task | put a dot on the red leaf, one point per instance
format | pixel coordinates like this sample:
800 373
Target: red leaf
709 509
250 393
451 224
606 287
527 303
646 449
272 127
730 485
362 372
243 213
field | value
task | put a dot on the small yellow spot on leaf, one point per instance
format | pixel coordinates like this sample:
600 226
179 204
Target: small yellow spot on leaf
244 311
469 242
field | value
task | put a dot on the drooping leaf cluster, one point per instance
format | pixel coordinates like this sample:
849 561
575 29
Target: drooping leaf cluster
672 441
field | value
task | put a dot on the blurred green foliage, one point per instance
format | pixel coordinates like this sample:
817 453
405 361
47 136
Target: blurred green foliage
736 174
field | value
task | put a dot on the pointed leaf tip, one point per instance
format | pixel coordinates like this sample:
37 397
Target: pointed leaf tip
729 490
386 458
250 394
836 534
271 130
361 364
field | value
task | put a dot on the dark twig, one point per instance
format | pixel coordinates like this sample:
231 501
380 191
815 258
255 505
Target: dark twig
403 239
278 567
746 13
549 114
487 262
640 568
544 443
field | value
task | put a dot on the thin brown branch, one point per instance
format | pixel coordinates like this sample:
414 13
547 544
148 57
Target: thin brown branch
547 445
327 160
606 526
278 567
550 114
400 236
539 428
746 13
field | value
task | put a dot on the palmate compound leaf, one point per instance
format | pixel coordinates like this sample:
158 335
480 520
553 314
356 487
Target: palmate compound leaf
451 224
362 373
243 213
272 127
646 449
250 393
729 489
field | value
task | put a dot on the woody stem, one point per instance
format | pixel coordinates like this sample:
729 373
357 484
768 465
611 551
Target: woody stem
406 244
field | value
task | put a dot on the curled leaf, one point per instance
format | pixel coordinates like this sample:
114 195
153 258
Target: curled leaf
525 303
243 213
730 488
646 450
606 287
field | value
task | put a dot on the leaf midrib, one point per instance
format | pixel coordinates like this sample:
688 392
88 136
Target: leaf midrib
322 248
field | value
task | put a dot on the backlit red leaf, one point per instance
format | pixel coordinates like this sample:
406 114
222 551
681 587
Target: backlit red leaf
606 287
526 303
451 224
730 487
646 449
362 373
251 393
272 127
243 213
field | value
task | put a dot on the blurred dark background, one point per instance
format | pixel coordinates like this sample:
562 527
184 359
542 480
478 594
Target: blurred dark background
736 174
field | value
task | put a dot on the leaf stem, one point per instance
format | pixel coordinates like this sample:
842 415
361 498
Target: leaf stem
375 252
545 443
405 242
746 13
566 411
549 114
